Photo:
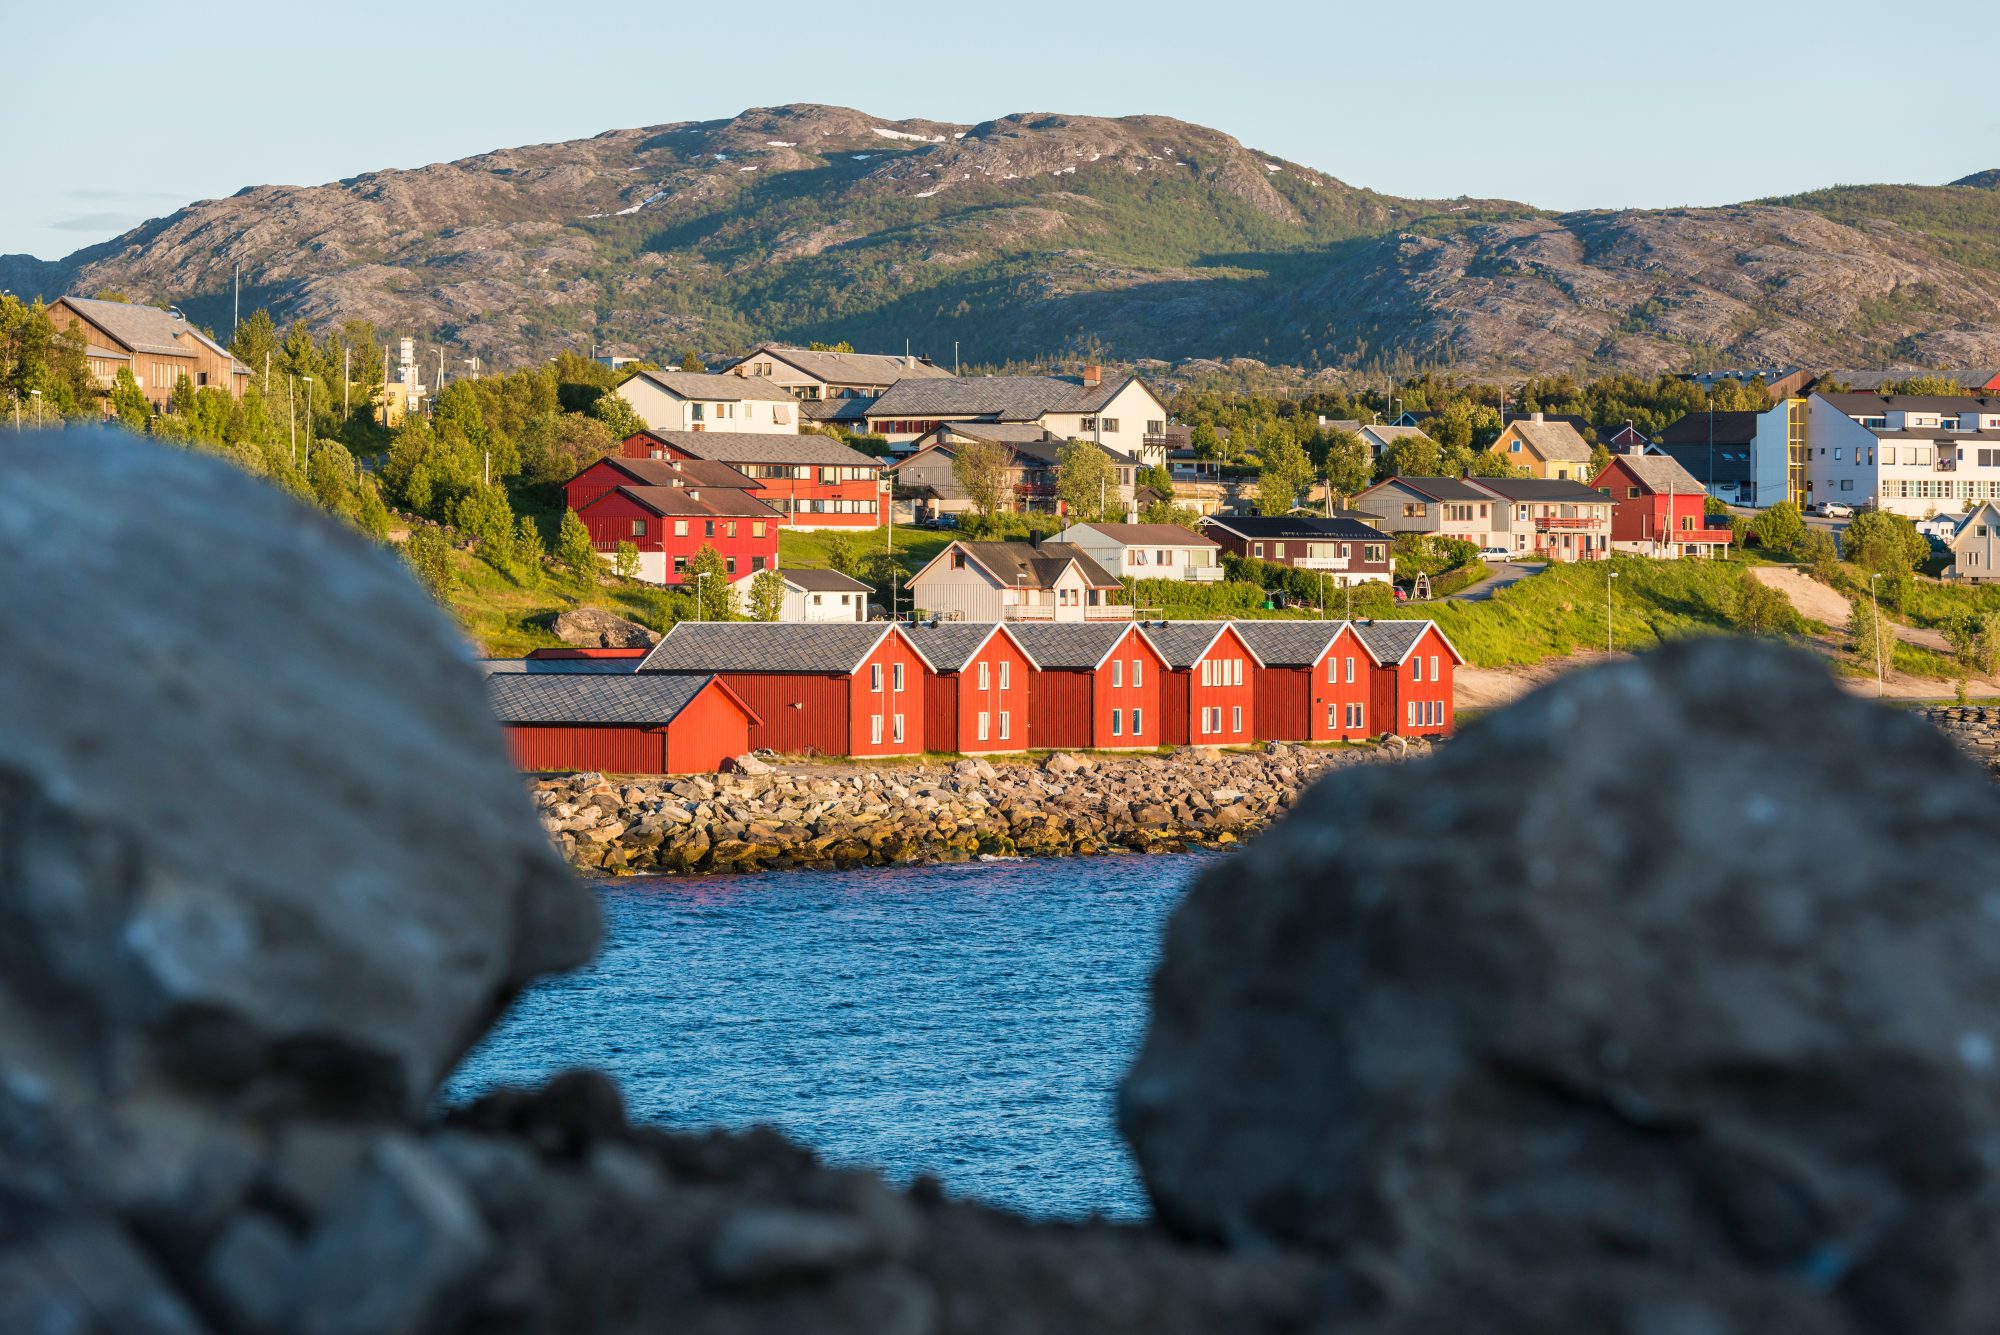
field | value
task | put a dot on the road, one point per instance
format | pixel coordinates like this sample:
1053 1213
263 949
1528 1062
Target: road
1505 573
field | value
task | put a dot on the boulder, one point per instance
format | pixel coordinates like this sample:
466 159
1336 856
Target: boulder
595 628
1680 977
748 764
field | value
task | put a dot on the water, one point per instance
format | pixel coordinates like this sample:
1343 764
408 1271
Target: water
968 1021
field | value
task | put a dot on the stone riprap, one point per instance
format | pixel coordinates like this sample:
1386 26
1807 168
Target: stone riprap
772 818
1976 729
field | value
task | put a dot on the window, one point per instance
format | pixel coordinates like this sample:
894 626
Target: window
680 528
1278 551
1117 723
1836 454
1236 718
1138 721
1514 447
1108 423
899 727
638 528
1350 669
1257 549
729 562
875 729
1434 669
708 528
756 563
1004 665
1003 725
1357 716
1135 674
982 725
1117 672
1331 710
1375 553
1155 427
1413 714
680 565
985 682
729 529
1631 493
958 560
1416 669
896 675
875 678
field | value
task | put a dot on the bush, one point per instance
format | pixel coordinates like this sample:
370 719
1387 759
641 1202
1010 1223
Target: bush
1008 527
1817 550
429 557
1780 528
1184 600
1464 577
1759 609
573 547
1886 543
625 561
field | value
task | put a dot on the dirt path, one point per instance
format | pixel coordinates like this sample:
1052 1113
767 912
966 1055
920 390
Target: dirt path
1815 600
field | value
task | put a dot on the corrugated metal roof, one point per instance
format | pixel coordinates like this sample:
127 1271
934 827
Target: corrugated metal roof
823 581
765 646
591 697
759 447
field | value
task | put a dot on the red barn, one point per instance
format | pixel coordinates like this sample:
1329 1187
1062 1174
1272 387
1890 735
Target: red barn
1095 685
1209 696
814 481
620 723
831 688
1410 693
669 525
1658 508
976 700
1314 681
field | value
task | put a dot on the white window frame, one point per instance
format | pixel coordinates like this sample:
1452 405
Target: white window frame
1117 673
985 680
983 719
1004 674
1117 723
1004 717
1138 721
875 730
875 681
899 728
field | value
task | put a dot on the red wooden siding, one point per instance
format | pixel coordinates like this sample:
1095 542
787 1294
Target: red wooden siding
745 544
1396 689
792 497
1133 648
1284 704
1227 651
711 728
1059 714
995 701
888 704
804 713
1333 694
614 749
941 708
1174 709
592 482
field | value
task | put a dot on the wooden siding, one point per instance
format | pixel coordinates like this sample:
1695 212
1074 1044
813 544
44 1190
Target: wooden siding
613 749
1227 651
941 708
1059 713
1174 709
804 713
1284 704
1133 648
1395 689
867 703
708 731
736 539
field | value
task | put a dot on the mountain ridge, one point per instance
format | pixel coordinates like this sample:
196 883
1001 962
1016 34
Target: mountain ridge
1040 232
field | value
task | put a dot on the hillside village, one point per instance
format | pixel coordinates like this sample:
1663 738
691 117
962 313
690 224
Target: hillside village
839 544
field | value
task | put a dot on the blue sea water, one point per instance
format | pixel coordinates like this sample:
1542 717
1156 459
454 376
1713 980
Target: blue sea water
968 1021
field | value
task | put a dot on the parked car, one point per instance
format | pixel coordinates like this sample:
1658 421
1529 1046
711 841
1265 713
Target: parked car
1495 554
1833 510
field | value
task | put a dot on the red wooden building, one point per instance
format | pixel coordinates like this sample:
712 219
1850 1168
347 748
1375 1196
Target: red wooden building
976 700
613 471
1410 688
1314 681
1209 694
1096 685
668 525
836 688
1658 508
814 481
620 723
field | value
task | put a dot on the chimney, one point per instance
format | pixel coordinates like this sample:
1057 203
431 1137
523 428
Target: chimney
1131 516
1035 538
1534 417
693 495
1093 376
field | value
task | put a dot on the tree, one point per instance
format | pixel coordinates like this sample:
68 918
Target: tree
712 596
1412 456
1600 459
529 551
815 346
1759 609
1086 484
484 516
1885 543
1285 473
618 415
625 561
980 467
429 556
557 446
1488 464
1817 550
1714 505
1926 384
371 516
691 361
1975 639
128 401
1346 464
767 596
1864 638
1205 442
1780 528
574 550
1157 480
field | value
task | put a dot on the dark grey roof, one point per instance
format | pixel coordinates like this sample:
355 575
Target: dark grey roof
591 697
850 409
1008 561
764 646
1870 381
1007 433
558 666
681 472
1182 643
823 581
716 388
1872 405
1540 489
948 645
1006 398
1733 428
719 502
848 368
1068 644
1389 641
1300 527
1437 488
1289 643
766 447
1725 462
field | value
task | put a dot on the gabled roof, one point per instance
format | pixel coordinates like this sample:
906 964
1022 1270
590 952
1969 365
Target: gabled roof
1386 434
1541 489
1149 535
721 502
1003 398
1870 381
949 645
848 410
1551 439
1005 433
1392 641
1986 512
766 646
1659 473
847 368
678 472
1185 643
766 447
1730 428
1872 405
716 388
1305 528
1290 643
148 329
1436 488
823 581
1024 565
1072 645
556 666
597 697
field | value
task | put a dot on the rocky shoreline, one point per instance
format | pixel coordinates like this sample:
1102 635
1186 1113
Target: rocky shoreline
1975 729
822 817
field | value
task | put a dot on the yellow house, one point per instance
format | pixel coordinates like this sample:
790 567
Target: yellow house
1547 449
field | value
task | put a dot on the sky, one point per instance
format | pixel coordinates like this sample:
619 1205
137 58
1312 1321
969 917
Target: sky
138 110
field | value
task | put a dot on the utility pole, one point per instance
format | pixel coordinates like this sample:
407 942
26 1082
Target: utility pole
1875 609
440 380
292 420
954 356
267 370
346 384
236 301
1609 575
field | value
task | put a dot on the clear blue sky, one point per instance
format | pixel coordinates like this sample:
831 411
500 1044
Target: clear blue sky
117 111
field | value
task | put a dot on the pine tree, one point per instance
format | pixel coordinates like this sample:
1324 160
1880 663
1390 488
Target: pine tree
574 550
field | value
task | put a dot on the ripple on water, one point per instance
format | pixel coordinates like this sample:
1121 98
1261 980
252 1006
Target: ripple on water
968 1021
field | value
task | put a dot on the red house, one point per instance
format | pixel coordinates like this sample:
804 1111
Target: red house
1657 508
620 723
976 700
814 481
1314 681
613 471
668 525
1095 685
1410 686
1209 695
831 688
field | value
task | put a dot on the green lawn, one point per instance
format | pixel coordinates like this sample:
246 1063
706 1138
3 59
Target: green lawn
506 620
914 547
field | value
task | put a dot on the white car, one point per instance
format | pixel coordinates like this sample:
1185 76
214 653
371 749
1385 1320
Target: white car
1495 554
1834 510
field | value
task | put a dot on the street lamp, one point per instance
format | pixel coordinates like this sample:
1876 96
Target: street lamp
36 395
309 418
1875 611
700 596
1609 575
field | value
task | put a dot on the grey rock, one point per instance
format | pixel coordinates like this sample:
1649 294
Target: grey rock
769 1244
595 628
84 1276
1565 995
252 1273
749 764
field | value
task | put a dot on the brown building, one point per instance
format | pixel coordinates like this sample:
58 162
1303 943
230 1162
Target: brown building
1349 551
158 347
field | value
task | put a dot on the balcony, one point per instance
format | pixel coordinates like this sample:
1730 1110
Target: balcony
1558 522
1323 563
1947 465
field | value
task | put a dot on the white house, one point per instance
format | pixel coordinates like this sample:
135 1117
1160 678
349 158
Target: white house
812 595
1975 546
1122 414
814 375
1016 581
1148 551
691 401
1912 454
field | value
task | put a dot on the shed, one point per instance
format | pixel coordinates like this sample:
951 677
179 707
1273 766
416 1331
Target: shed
1208 695
623 724
1095 685
1410 693
977 698
1314 681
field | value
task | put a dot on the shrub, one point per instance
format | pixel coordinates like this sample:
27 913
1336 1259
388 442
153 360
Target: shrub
1187 601
1886 543
429 557
1817 549
1780 528
1759 609
573 547
625 561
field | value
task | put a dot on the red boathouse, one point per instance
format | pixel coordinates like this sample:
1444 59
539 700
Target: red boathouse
1315 681
1410 694
1095 685
619 723
976 701
1209 695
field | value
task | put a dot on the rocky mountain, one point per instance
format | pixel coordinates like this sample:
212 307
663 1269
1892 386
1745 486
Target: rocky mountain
1035 234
